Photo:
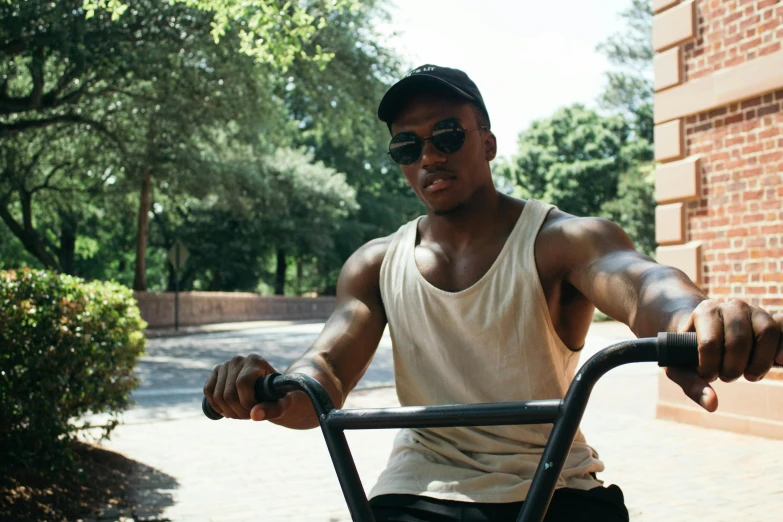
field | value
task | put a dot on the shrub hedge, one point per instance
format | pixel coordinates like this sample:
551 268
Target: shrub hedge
67 348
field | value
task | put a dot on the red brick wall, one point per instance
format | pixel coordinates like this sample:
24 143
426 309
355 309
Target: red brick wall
197 308
740 216
730 32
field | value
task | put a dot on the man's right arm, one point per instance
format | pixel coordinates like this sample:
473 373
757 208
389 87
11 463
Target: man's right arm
337 359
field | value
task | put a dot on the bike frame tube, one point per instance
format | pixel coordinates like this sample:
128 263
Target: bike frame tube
344 466
557 447
491 414
565 415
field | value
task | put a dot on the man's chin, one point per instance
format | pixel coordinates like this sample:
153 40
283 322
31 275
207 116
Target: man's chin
448 211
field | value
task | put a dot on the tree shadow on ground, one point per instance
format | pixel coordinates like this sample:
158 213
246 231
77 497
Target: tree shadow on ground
104 486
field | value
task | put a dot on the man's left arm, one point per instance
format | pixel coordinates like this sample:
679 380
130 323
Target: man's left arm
735 338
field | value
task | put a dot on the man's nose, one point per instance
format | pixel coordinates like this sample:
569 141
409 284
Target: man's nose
431 156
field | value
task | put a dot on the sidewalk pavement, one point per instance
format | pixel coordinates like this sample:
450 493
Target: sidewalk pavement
157 333
240 471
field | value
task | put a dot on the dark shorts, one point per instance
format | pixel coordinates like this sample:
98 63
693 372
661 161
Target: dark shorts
568 505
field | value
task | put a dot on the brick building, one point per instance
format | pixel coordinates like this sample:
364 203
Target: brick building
719 184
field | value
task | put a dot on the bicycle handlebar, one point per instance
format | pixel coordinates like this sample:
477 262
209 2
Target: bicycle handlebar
674 349
668 349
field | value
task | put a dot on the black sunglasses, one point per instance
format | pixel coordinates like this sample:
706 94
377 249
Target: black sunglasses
447 135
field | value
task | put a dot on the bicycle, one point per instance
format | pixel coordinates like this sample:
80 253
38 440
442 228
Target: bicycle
667 349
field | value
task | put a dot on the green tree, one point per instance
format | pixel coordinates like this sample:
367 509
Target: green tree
634 207
283 204
591 163
163 132
335 111
272 31
49 179
154 83
629 89
315 200
54 62
13 253
573 159
629 92
181 128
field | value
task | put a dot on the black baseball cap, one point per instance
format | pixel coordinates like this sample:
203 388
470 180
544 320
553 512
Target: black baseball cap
428 77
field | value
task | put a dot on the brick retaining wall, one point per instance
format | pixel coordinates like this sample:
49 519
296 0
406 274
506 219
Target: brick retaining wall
198 308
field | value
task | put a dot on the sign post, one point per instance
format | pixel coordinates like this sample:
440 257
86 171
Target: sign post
178 254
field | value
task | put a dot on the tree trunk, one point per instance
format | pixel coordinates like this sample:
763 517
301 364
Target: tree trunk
216 283
67 251
140 275
30 239
280 278
299 273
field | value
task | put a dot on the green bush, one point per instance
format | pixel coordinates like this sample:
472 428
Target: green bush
67 348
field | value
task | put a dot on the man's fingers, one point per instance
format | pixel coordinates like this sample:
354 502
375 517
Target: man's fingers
695 387
708 324
254 367
209 389
270 410
737 338
766 334
230 388
230 393
217 393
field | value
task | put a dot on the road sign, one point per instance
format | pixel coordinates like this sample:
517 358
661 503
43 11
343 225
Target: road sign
178 254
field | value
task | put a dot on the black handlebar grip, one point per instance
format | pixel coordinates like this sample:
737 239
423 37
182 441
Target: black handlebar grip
681 349
211 414
678 349
263 390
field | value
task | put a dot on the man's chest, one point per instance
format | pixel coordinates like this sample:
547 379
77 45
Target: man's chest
456 271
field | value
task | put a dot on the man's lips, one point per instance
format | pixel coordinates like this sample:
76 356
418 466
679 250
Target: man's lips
438 181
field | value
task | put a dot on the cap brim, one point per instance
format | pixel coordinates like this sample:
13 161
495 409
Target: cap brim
400 92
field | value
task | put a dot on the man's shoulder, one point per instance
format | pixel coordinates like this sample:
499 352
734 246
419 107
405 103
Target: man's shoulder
563 236
562 226
373 251
365 262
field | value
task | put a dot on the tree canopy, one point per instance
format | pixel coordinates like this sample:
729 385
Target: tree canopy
273 32
599 161
573 159
629 89
128 126
247 130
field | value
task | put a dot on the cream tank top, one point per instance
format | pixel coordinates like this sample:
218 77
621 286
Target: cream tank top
492 342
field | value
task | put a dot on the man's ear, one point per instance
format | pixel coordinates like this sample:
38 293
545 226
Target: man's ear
490 146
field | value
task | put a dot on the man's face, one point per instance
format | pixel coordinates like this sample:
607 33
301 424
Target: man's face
444 181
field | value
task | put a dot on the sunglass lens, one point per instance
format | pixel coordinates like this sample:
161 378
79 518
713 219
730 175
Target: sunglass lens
405 149
449 141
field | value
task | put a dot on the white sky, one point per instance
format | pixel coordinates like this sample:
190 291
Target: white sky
528 57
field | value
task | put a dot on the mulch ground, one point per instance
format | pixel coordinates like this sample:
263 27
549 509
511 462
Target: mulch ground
102 480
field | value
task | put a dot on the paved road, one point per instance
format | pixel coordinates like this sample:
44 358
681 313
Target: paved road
174 369
236 470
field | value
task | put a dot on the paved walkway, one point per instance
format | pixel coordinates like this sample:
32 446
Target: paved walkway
156 333
201 470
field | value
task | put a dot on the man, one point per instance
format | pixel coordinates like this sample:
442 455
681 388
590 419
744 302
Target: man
489 298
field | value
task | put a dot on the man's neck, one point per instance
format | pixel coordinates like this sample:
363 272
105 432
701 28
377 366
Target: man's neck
475 220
